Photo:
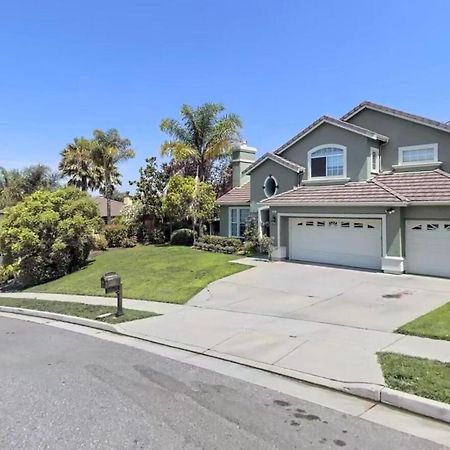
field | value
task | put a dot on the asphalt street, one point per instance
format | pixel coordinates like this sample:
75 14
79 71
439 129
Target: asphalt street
64 390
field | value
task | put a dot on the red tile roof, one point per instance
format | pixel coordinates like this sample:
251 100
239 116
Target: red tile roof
431 186
354 193
237 196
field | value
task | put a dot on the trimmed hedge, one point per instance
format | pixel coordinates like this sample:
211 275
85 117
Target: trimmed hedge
183 236
219 244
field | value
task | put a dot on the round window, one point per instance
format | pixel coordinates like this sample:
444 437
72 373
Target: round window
270 186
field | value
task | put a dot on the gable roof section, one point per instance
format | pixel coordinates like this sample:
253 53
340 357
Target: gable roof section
334 122
236 196
428 186
277 159
396 113
116 207
354 193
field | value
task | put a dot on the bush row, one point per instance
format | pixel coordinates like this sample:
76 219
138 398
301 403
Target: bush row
215 248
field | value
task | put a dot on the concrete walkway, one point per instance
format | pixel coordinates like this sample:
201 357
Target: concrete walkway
330 351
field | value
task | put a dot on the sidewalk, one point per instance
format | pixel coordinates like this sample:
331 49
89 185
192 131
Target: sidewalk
334 352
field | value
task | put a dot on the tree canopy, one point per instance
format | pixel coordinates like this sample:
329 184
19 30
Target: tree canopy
203 136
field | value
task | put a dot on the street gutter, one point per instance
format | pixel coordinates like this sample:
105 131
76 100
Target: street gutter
375 392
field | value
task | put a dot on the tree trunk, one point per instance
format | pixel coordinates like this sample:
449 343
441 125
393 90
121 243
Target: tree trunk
108 198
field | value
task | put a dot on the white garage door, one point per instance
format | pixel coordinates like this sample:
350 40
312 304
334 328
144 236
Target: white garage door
428 247
346 242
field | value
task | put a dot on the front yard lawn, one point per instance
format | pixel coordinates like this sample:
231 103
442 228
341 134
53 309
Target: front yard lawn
76 309
435 324
170 274
423 377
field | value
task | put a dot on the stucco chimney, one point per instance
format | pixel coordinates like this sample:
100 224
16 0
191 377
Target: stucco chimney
242 157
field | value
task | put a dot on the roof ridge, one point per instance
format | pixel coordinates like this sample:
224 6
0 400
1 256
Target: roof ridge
390 190
398 113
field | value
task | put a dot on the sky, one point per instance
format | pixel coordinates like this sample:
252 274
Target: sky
68 67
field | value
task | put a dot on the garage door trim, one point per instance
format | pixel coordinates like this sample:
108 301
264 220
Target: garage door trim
349 216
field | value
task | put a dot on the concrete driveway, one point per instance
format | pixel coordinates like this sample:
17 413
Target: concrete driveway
325 294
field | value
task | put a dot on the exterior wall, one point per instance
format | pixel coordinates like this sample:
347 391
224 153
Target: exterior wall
286 179
358 149
393 223
402 133
223 215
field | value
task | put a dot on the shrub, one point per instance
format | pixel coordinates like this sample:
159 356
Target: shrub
128 242
99 242
7 273
183 236
48 234
219 244
115 234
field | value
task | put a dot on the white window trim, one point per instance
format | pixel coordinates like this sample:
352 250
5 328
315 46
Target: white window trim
377 151
238 208
319 147
417 147
276 186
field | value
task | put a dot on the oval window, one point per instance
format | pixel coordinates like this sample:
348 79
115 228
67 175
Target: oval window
270 186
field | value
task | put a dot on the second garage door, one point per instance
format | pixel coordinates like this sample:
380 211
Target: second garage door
347 242
428 247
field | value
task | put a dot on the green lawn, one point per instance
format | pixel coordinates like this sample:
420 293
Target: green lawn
435 324
161 273
423 377
76 309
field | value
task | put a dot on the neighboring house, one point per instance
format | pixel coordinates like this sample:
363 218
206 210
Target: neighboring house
370 190
116 207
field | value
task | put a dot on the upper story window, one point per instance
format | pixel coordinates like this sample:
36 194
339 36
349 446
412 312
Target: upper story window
374 160
327 161
418 154
270 186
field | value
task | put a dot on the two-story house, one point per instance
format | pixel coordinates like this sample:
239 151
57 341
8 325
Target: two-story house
369 190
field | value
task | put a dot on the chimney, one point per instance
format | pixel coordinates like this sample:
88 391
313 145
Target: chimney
242 157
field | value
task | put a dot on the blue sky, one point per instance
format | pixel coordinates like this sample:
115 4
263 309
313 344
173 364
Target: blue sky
69 67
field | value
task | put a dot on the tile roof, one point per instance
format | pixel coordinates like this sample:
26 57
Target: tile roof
277 159
236 196
116 207
335 122
431 186
397 113
354 193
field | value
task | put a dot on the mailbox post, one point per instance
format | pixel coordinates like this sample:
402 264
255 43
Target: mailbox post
111 282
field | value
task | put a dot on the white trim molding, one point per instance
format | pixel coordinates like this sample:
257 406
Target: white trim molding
393 264
401 150
331 146
270 177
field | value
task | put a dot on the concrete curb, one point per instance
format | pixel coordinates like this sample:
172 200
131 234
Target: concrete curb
378 393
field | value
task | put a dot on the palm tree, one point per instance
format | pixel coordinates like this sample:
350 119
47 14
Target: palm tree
109 150
77 163
203 136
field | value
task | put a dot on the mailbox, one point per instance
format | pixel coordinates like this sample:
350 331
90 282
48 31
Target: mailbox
110 282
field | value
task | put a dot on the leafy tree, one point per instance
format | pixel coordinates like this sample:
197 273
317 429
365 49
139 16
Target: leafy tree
203 136
109 150
188 199
15 184
77 163
48 234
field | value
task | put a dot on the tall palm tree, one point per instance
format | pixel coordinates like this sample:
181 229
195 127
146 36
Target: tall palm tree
109 150
77 163
203 136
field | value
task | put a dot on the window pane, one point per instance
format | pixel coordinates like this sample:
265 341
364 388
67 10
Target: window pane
318 167
418 155
234 229
243 216
335 165
233 215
